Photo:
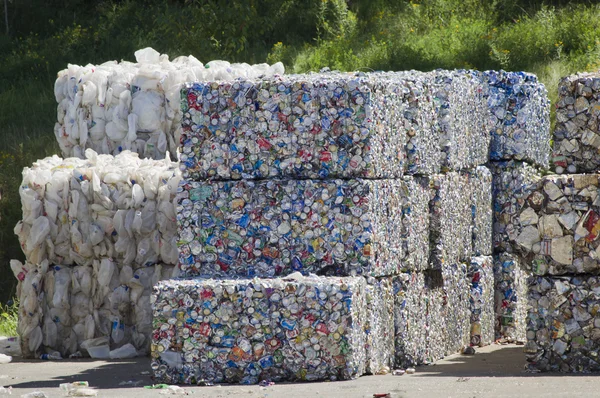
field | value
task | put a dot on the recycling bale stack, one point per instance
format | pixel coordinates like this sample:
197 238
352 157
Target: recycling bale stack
560 225
519 112
345 211
97 234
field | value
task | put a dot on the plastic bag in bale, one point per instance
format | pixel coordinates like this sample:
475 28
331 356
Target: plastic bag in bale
576 138
520 117
510 298
512 183
115 107
330 125
410 320
560 223
245 331
481 277
562 331
276 227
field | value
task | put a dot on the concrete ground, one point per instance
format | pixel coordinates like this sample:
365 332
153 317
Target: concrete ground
494 371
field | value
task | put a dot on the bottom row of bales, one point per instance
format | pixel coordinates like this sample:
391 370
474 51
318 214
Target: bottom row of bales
323 328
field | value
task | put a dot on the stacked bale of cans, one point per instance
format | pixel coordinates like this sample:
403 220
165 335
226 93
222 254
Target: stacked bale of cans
519 152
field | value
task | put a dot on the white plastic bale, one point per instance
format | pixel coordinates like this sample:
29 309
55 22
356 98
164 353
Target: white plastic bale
282 329
275 227
31 296
512 182
562 324
44 231
63 307
75 211
576 138
114 107
379 327
462 118
520 117
510 302
410 320
481 279
560 224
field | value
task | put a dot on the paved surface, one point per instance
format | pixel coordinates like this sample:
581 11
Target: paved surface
495 371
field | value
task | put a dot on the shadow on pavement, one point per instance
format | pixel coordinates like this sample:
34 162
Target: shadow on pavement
105 375
506 361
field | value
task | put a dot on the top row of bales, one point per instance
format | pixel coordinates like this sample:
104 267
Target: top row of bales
242 122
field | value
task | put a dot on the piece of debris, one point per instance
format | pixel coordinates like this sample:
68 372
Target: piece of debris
461 379
410 371
468 351
35 394
399 372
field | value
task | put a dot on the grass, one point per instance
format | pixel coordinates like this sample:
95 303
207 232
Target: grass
9 316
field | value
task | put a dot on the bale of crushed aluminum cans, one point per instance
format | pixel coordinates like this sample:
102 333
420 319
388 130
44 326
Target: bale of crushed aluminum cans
67 309
510 297
481 277
577 135
481 206
329 227
410 320
560 224
520 117
448 314
451 219
379 326
512 183
133 106
462 118
246 331
325 125
563 331
457 292
76 211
